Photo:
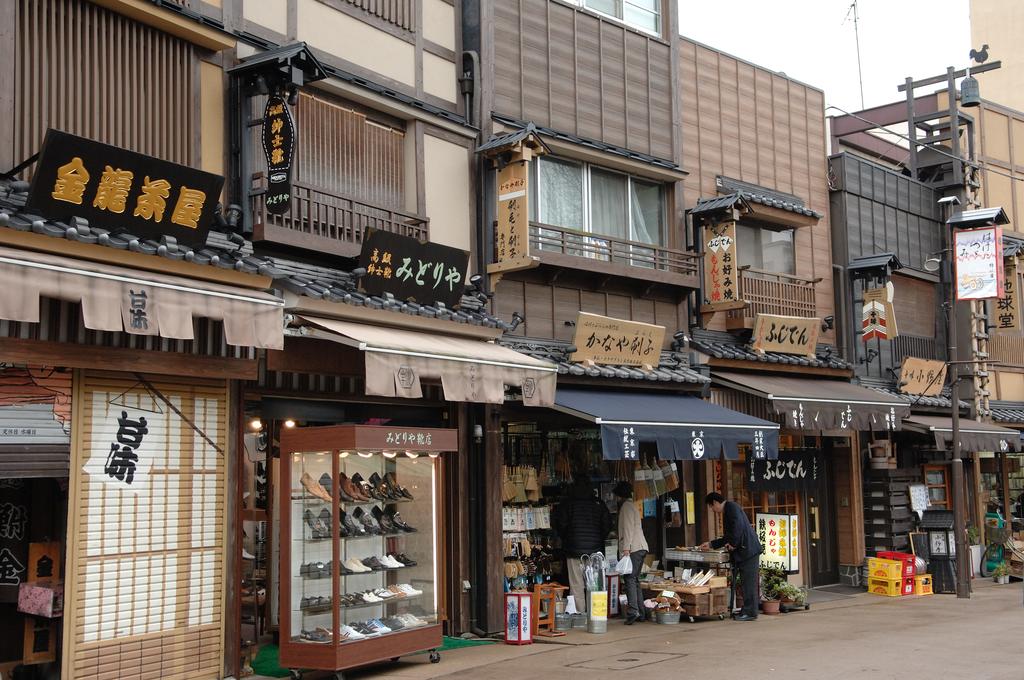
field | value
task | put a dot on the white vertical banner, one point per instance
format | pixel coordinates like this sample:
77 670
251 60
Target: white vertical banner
978 256
129 434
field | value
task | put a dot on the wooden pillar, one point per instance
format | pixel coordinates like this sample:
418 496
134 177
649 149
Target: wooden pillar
979 503
494 620
1004 483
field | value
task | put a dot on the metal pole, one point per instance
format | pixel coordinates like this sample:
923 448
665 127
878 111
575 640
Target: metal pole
963 576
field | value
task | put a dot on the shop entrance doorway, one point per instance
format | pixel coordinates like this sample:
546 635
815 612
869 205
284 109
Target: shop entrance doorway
820 519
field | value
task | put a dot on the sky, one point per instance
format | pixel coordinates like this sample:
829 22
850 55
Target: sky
813 41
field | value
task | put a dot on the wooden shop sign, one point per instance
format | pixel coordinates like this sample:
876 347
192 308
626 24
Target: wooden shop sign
878 318
786 334
1008 306
409 269
512 241
721 283
604 340
122 191
923 377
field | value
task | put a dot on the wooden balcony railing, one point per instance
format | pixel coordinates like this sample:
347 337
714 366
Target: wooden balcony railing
328 222
773 293
609 254
904 345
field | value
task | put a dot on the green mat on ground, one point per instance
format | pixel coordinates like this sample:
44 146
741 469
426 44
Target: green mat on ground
266 662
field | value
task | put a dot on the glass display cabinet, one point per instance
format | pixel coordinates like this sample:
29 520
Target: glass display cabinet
360 518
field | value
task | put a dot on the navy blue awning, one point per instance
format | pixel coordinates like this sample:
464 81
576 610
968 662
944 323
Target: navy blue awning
684 428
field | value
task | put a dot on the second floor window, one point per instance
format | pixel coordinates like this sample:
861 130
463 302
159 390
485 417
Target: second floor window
597 200
642 14
766 249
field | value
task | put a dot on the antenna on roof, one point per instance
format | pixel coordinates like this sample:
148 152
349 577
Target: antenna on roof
856 33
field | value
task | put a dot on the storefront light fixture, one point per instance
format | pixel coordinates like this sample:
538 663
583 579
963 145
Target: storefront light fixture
256 424
390 454
433 455
364 454
289 423
343 454
412 454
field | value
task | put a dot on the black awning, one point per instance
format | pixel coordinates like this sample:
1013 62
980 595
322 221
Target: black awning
684 428
820 404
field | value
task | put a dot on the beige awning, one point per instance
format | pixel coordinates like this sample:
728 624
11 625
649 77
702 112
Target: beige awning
469 370
974 435
139 302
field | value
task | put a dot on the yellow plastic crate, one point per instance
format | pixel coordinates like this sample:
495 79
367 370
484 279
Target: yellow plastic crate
884 569
923 584
889 587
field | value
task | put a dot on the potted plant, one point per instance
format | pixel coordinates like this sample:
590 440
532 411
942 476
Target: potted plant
977 549
1001 574
791 597
773 578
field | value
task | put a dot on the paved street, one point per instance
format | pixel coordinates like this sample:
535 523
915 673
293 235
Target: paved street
857 637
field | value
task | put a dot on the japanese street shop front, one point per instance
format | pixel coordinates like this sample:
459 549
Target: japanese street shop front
356 440
814 489
609 423
119 347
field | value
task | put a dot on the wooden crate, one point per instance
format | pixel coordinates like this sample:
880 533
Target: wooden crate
715 602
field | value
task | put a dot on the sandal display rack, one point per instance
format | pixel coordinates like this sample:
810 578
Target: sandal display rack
360 518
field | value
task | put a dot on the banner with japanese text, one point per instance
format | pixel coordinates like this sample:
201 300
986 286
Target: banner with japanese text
793 471
779 538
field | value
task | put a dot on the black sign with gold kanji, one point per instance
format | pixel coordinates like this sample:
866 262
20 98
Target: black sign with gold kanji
122 191
279 147
410 270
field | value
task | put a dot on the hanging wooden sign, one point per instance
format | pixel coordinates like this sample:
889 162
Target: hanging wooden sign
922 376
512 240
721 284
409 269
786 334
978 257
604 340
279 141
1008 306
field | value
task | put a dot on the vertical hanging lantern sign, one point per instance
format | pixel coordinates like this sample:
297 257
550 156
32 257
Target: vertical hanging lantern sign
1008 306
279 147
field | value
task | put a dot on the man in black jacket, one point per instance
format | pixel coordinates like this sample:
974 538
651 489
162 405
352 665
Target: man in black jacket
582 521
741 541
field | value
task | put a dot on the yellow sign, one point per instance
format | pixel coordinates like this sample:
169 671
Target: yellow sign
691 513
721 284
785 334
922 376
599 604
513 235
604 340
1008 306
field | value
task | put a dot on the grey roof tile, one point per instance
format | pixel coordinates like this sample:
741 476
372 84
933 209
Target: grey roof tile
722 345
718 203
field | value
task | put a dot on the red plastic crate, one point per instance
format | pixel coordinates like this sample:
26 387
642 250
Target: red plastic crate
907 559
907 587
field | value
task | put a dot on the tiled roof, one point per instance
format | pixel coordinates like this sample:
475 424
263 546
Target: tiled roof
229 251
220 251
721 345
1012 246
979 218
941 400
888 262
671 368
1007 411
763 195
512 138
338 285
709 205
593 144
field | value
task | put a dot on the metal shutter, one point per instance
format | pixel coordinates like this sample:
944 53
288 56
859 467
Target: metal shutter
146 580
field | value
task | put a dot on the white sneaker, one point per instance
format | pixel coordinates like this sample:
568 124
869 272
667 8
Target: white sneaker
408 589
370 597
391 562
351 632
411 620
383 594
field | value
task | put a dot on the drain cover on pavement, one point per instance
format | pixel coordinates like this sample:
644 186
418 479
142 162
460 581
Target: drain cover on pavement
626 660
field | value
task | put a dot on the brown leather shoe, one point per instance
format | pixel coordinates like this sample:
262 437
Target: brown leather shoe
314 487
351 489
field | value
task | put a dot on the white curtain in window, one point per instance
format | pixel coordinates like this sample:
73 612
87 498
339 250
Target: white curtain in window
561 193
609 205
647 213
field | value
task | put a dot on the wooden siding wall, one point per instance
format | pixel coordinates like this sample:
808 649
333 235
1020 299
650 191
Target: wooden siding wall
548 307
342 151
88 71
398 12
880 210
915 302
748 123
575 72
999 131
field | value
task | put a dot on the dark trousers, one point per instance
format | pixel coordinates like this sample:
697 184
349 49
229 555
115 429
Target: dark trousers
749 574
631 584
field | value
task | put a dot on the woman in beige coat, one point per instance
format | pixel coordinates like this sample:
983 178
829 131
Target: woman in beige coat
632 543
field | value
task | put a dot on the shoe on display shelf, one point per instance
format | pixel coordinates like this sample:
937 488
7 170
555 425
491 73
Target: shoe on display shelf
351 633
356 567
314 487
396 519
373 563
405 560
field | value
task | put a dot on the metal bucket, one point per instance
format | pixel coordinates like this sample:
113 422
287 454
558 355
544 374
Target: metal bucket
597 625
563 622
560 606
667 617
579 621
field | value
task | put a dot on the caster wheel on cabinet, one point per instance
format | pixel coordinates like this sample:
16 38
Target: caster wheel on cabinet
721 617
294 675
435 657
691 619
